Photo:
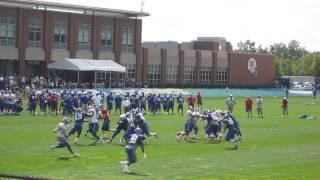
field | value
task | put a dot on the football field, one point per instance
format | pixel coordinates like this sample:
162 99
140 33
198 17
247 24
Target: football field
273 147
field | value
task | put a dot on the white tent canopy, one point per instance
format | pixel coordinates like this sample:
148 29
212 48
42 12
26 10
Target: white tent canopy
87 65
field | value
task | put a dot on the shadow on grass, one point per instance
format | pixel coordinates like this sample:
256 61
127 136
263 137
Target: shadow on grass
191 141
231 149
80 145
136 174
63 158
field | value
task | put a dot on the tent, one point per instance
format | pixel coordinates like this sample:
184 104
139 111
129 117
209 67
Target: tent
87 65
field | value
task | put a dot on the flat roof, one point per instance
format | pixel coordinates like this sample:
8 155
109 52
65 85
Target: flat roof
71 8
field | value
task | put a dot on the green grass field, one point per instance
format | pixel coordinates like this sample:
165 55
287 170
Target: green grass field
274 148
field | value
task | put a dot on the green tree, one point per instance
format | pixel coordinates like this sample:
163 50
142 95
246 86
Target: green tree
279 50
262 50
294 50
247 46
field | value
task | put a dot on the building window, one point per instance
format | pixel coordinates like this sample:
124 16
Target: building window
104 77
34 33
106 38
7 31
172 74
189 74
127 39
84 37
154 74
60 35
206 75
222 77
131 71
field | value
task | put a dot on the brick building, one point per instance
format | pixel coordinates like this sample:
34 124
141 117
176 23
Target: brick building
35 33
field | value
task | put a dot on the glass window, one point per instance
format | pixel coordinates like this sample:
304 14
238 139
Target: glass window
60 35
34 33
7 31
131 72
222 77
84 37
154 74
189 74
106 38
206 75
127 39
172 74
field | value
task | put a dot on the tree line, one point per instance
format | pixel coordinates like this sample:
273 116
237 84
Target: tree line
292 59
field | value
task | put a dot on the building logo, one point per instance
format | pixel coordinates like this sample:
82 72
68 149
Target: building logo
252 67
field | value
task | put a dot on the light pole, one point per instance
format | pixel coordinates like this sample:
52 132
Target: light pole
302 63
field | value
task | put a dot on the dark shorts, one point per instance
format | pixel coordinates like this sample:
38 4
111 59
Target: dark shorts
105 125
188 127
132 158
93 128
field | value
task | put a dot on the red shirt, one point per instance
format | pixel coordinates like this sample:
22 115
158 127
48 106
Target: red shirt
105 114
249 103
53 97
284 103
199 99
191 100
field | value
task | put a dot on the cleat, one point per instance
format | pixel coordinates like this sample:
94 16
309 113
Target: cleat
75 155
53 147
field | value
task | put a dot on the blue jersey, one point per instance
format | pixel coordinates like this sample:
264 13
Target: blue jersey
171 99
180 100
84 99
79 118
136 139
110 99
69 102
118 100
33 98
64 96
42 98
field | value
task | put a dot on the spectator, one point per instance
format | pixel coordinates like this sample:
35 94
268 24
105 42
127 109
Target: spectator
314 94
230 102
286 89
199 100
191 101
259 102
285 107
249 104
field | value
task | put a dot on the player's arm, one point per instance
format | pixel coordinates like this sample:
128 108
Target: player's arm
56 129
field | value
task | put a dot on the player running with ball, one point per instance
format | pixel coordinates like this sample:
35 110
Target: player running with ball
61 132
136 139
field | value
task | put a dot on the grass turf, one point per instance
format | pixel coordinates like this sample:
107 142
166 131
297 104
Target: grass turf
274 148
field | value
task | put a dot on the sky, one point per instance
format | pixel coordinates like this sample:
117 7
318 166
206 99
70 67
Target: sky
262 21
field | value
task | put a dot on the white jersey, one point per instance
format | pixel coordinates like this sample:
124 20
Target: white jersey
230 101
216 116
259 102
61 130
93 118
97 100
125 103
192 116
